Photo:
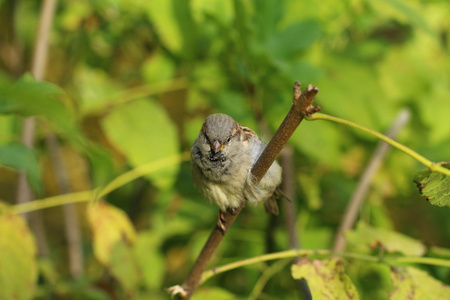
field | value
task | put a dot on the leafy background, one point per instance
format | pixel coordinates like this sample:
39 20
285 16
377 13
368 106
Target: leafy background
129 84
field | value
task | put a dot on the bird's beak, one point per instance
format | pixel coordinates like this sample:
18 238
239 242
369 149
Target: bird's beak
216 146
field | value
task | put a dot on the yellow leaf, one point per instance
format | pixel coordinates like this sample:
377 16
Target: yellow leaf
18 267
109 226
326 279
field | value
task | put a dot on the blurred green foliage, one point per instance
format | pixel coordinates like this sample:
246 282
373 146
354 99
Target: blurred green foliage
132 82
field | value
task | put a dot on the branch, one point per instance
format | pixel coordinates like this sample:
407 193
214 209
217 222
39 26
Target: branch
290 211
301 107
24 193
71 222
358 196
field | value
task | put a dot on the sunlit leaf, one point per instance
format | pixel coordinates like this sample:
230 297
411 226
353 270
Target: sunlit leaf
17 156
161 13
320 141
18 267
6 128
215 293
157 68
365 235
95 89
400 9
294 39
220 10
150 259
124 267
415 284
434 186
344 98
326 279
109 225
144 133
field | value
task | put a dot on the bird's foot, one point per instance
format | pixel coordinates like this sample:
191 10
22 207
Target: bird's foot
220 221
232 211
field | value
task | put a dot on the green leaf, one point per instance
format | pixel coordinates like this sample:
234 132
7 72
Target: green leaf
400 9
319 140
412 283
158 68
362 104
434 186
326 279
267 14
6 129
294 39
144 133
150 259
162 14
18 267
28 97
215 293
368 236
123 266
114 236
102 165
31 98
17 156
96 90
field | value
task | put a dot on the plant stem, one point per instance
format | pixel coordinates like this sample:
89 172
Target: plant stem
398 260
71 222
432 165
141 171
290 210
52 202
99 193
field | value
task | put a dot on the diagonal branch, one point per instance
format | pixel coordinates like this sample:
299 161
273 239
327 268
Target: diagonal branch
301 107
357 200
24 192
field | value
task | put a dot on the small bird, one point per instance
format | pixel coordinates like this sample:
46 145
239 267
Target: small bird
221 159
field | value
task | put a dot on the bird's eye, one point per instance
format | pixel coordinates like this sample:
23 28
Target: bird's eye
206 138
228 139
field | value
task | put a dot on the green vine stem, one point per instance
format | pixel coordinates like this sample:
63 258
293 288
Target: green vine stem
397 260
141 171
436 167
92 195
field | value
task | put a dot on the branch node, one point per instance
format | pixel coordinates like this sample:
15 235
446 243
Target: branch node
303 101
297 90
312 109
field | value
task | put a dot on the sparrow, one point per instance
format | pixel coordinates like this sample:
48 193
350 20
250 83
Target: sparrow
221 159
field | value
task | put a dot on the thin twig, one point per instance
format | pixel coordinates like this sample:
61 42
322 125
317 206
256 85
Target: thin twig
301 106
24 193
360 193
71 222
290 210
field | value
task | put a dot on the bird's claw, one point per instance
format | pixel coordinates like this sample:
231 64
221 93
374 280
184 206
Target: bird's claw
220 222
177 290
